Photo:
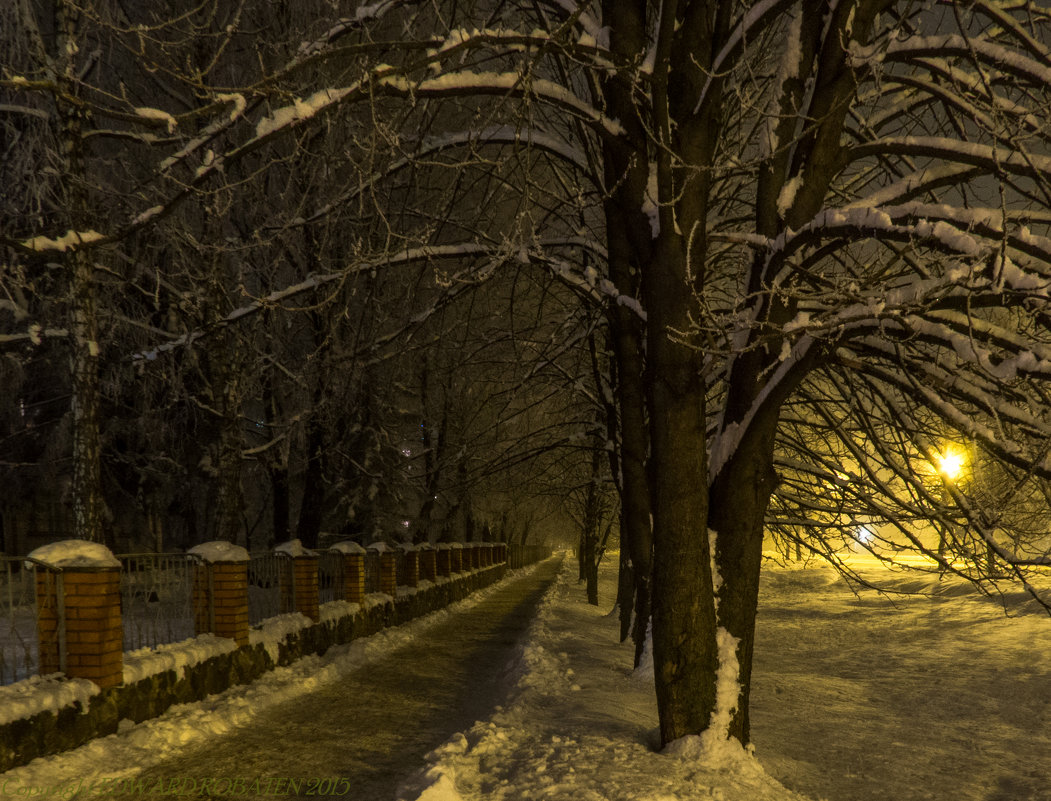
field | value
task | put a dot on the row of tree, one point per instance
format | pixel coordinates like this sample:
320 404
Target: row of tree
753 265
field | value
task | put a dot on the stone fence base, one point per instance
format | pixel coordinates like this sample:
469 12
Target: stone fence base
52 732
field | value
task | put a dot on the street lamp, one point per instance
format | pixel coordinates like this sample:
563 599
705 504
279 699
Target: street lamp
950 465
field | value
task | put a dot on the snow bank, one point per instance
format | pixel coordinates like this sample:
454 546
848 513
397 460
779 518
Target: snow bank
176 656
275 630
37 694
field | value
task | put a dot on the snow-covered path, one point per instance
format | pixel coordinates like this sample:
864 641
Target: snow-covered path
856 698
372 727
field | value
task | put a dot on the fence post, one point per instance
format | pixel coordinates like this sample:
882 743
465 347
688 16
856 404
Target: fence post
410 564
444 561
458 553
220 590
82 635
388 569
353 570
428 563
299 584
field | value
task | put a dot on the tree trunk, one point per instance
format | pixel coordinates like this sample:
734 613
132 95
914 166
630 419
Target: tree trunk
629 246
86 489
738 500
589 535
625 590
308 528
685 656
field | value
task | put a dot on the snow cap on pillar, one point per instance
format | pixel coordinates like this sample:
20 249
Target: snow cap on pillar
294 548
75 553
219 551
347 546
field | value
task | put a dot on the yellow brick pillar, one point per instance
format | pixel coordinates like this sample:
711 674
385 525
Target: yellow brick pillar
458 553
78 595
388 568
443 559
299 580
428 561
353 570
220 590
410 564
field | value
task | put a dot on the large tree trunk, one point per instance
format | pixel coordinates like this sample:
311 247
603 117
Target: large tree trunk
629 246
738 500
685 656
84 345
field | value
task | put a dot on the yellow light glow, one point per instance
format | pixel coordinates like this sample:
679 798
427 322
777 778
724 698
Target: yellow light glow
950 464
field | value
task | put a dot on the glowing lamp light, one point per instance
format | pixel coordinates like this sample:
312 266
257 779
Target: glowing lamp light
950 464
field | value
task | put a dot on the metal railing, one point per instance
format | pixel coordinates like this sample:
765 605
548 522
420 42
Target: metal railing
330 576
264 585
19 637
156 593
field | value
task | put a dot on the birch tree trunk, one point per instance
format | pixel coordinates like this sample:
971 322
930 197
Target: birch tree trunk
86 490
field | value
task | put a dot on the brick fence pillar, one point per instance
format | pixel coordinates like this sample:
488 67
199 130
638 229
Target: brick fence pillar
353 571
458 553
298 581
220 591
78 595
444 559
410 564
428 562
388 569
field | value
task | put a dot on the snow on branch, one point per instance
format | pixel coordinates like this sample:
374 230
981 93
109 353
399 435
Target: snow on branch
503 83
71 240
34 335
385 78
955 151
988 52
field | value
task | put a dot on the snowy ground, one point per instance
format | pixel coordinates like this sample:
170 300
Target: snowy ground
866 697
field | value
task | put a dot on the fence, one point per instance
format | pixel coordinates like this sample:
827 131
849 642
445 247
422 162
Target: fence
156 592
19 642
157 599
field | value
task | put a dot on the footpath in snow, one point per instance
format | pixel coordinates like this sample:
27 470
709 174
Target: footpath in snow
579 726
351 724
929 694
